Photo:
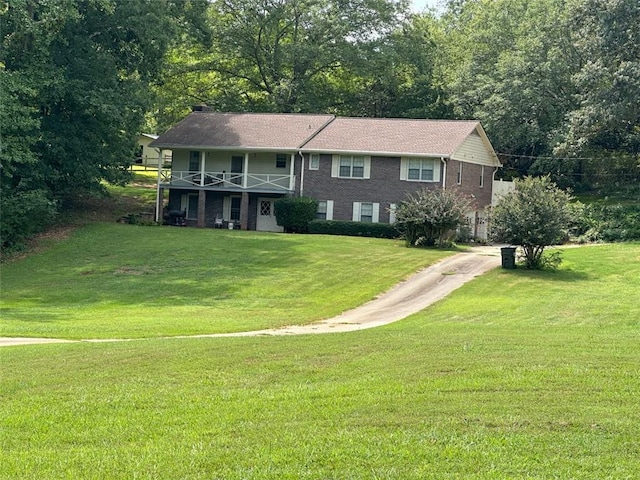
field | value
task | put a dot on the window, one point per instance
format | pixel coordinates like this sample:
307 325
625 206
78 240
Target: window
281 160
351 166
314 161
481 176
325 210
420 169
235 209
459 180
190 204
321 213
366 212
194 161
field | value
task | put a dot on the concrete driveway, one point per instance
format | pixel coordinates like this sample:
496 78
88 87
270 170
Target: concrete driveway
408 297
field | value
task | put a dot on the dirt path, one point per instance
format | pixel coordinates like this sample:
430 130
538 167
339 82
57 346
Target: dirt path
410 296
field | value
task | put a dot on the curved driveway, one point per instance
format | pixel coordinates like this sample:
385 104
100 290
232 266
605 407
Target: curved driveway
410 296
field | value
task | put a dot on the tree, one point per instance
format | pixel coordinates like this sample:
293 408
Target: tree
431 216
535 215
285 56
510 65
77 76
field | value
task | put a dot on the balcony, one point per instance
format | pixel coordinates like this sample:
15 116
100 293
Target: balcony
260 182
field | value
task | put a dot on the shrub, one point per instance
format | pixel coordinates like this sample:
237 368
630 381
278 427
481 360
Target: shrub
535 215
353 229
610 223
432 216
295 213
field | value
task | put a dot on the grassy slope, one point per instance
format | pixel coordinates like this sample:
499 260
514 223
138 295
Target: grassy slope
124 281
516 375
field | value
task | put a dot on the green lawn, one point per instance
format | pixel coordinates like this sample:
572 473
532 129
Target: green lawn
517 374
124 281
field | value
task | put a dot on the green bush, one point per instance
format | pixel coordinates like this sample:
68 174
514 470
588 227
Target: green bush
609 223
432 216
353 229
295 213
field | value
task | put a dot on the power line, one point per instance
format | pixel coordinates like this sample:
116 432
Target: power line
535 157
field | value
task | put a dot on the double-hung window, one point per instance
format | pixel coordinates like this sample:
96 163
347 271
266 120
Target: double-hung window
321 213
366 212
281 160
325 210
314 161
420 169
351 166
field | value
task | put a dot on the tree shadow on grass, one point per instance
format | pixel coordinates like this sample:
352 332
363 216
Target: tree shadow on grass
555 275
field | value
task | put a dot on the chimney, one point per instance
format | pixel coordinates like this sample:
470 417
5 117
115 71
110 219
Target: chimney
201 107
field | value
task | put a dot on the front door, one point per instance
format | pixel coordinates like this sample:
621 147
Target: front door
267 217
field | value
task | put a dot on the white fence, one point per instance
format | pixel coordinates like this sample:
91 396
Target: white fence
500 188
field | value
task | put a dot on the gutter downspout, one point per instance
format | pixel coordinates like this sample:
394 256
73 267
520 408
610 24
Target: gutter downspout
301 172
444 173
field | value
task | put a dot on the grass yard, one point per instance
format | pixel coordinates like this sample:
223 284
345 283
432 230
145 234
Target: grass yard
517 374
125 281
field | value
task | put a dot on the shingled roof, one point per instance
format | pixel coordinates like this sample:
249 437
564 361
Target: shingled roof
393 136
264 131
321 133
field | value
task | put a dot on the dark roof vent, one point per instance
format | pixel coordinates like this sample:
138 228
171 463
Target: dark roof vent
201 107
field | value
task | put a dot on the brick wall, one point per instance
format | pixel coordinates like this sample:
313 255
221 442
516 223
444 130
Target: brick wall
471 181
384 186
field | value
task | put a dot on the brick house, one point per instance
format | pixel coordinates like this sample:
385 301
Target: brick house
231 167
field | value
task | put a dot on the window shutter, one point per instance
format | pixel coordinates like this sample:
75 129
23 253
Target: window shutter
367 167
335 165
436 170
329 209
226 208
356 212
376 213
392 213
403 168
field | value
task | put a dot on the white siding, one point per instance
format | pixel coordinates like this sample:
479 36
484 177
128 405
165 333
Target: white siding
474 150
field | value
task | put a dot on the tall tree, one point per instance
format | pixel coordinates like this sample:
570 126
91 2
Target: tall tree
81 70
606 123
288 56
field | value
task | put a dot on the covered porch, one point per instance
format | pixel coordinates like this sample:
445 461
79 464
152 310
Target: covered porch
237 209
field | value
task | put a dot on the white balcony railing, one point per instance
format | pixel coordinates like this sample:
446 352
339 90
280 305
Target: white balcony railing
248 181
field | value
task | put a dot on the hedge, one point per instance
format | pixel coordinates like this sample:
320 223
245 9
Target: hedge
353 229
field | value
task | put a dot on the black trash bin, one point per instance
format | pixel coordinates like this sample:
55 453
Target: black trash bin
508 257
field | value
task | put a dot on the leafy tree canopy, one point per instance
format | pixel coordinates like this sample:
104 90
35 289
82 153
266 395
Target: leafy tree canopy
535 215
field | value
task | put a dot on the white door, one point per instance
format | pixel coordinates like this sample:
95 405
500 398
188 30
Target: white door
266 216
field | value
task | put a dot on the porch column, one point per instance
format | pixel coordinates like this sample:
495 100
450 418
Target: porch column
159 191
244 211
202 196
203 157
245 171
159 205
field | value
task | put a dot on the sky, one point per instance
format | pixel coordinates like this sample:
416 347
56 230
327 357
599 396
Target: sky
419 5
